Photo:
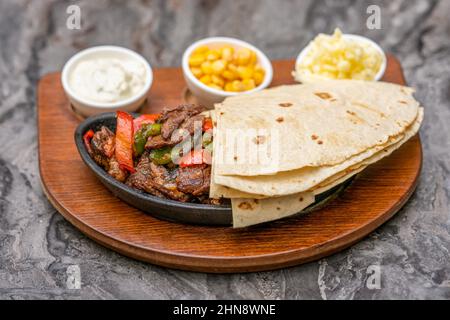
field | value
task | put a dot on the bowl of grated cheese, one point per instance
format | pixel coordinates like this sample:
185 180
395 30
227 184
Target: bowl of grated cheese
340 56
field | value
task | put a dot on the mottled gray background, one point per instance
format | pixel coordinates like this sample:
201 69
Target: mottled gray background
37 246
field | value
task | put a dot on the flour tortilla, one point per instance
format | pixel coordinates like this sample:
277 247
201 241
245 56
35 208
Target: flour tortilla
309 125
348 173
217 191
302 180
247 212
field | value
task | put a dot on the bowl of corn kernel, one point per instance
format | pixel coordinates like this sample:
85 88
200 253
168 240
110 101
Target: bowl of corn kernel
340 56
219 67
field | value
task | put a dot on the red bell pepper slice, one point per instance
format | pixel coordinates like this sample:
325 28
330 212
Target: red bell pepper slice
207 124
144 119
124 141
87 140
195 157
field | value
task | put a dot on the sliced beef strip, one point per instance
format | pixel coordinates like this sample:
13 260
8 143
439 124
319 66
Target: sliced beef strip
194 180
103 146
104 142
115 171
165 181
186 128
157 142
140 179
101 160
172 122
190 123
156 180
172 118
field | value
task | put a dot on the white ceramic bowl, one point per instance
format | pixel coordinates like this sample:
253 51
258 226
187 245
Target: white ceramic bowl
207 95
87 107
358 38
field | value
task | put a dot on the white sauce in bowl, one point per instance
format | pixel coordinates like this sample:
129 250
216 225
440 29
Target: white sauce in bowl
107 79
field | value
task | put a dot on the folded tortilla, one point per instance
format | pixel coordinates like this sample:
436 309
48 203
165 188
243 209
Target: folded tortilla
302 180
311 138
217 191
348 173
310 125
247 212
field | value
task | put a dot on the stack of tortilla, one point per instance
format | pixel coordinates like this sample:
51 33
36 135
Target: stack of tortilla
276 149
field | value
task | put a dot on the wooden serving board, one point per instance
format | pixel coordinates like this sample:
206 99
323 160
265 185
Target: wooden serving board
375 196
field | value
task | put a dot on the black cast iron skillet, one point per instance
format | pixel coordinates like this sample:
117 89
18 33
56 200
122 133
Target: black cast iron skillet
192 213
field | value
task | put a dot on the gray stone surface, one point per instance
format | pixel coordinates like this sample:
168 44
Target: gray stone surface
40 252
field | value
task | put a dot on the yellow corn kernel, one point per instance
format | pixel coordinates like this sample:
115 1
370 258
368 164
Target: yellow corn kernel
227 53
258 68
200 49
215 86
229 86
253 58
218 80
258 76
232 67
207 67
243 56
237 85
229 75
245 72
197 72
249 84
218 66
206 79
212 55
196 60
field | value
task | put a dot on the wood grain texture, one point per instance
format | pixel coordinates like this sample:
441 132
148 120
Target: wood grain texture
372 199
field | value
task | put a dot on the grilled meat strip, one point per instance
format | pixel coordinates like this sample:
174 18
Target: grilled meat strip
103 146
140 179
179 118
190 123
173 118
194 180
156 179
115 171
157 142
165 181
